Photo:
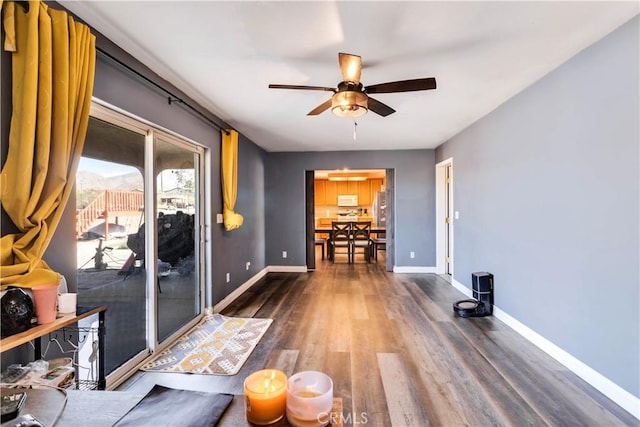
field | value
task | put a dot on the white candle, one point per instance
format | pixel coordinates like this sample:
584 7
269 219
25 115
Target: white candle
309 399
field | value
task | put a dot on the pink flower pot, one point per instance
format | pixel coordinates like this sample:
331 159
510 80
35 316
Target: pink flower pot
45 298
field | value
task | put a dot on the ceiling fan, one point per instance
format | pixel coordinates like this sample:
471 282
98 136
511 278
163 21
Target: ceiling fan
351 98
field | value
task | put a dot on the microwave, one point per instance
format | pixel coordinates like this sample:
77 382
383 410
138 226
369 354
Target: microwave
348 200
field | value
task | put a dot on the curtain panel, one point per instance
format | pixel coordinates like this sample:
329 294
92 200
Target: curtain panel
53 67
232 220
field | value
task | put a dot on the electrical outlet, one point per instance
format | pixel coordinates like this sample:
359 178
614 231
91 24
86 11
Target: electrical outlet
228 277
412 254
248 265
219 218
284 254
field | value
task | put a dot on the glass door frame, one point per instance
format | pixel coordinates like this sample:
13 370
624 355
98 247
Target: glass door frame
199 237
116 116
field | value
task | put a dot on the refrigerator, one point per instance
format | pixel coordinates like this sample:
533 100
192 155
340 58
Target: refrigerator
379 209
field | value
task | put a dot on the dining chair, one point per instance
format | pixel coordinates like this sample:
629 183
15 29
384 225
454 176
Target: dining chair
321 242
339 239
379 244
361 239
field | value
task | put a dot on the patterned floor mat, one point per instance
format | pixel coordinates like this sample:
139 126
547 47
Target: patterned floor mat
219 345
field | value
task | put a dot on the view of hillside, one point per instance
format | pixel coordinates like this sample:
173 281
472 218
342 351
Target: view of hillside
92 181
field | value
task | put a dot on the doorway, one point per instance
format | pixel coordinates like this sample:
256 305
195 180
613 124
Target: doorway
445 216
373 189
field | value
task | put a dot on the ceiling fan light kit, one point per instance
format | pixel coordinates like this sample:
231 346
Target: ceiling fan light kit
349 104
351 99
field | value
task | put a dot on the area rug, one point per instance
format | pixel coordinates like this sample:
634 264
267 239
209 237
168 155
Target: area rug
218 345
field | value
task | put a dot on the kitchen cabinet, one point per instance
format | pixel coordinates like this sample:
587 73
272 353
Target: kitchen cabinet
376 185
320 192
331 193
347 187
324 223
364 193
326 192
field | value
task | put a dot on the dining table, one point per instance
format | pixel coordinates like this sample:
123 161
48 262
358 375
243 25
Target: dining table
378 231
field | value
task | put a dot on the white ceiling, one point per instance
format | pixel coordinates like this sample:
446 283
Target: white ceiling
224 54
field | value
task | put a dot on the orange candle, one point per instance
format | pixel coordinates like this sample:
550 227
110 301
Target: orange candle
265 396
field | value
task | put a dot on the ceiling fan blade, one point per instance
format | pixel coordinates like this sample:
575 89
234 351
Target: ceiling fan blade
328 89
351 66
320 108
403 86
379 108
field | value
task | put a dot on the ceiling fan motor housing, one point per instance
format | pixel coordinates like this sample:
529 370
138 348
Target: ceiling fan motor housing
350 87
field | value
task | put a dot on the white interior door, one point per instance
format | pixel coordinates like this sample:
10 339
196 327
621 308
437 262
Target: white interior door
445 217
448 221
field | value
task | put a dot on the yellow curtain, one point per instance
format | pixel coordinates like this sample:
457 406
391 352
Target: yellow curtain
53 67
232 220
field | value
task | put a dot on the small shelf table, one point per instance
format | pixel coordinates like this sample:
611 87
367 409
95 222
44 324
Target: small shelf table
65 321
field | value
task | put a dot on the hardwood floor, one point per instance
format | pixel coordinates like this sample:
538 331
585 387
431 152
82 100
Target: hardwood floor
398 355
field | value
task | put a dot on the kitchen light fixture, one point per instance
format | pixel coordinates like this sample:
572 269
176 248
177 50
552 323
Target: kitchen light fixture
347 177
349 103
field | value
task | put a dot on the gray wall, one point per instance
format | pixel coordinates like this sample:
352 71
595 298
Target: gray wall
233 249
230 250
414 203
119 87
548 192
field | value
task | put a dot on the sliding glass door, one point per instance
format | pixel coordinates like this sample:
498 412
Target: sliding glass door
140 247
110 211
178 224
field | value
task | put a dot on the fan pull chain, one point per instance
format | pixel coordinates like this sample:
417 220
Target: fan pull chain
355 130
